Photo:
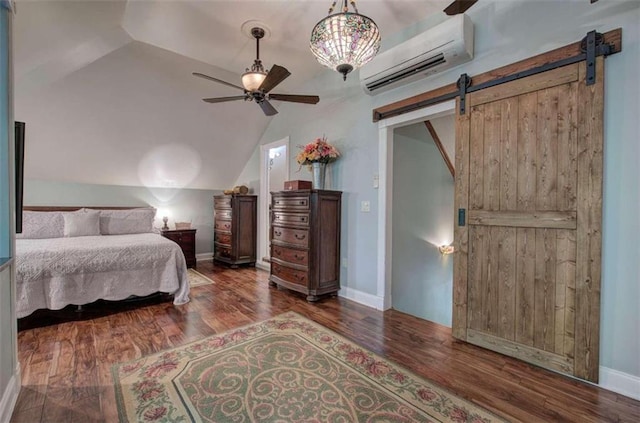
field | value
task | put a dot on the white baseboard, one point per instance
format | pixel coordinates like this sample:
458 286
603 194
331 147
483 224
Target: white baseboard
10 396
204 256
263 266
362 297
619 382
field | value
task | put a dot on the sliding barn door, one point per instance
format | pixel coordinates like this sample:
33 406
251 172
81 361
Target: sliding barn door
528 219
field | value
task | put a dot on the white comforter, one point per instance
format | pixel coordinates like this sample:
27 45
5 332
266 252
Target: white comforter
55 272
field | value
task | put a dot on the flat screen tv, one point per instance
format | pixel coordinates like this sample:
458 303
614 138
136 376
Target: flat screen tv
19 176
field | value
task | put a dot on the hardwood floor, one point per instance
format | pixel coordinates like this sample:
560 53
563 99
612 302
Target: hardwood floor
66 367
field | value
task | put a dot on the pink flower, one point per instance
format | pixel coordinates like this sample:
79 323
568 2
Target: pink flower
378 368
326 338
426 394
151 393
160 369
357 357
128 368
216 342
458 415
155 413
238 335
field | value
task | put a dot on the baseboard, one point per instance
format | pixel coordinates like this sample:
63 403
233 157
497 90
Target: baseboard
619 382
362 297
204 257
10 396
263 266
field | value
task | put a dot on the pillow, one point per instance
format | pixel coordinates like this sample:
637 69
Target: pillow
81 224
37 225
121 222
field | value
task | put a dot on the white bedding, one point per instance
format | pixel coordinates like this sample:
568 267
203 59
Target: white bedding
55 272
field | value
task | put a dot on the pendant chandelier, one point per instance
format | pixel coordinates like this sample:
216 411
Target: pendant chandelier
345 41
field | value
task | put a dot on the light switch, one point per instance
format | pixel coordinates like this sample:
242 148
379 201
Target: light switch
376 181
365 206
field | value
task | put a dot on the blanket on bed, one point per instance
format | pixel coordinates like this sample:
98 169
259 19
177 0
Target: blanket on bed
55 272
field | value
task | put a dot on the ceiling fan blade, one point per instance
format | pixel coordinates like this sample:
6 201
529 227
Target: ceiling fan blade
276 75
459 6
220 81
223 99
267 108
308 99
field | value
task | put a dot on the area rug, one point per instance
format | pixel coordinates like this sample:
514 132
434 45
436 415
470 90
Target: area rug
286 369
197 279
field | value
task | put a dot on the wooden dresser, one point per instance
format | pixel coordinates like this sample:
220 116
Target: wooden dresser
235 229
305 241
186 239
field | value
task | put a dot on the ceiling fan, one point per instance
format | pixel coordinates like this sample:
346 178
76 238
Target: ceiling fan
459 6
257 83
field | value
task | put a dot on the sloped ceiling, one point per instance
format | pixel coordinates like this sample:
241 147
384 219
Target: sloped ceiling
107 92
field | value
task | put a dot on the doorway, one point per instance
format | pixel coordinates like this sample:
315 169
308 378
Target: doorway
386 131
274 171
423 194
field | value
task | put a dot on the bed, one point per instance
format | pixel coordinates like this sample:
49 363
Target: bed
62 260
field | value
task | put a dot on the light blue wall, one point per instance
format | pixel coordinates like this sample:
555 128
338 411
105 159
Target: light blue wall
422 278
195 205
505 32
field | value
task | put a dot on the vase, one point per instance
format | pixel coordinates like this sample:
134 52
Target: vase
318 171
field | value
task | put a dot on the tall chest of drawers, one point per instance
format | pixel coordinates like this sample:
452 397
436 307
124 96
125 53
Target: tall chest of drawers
235 229
305 241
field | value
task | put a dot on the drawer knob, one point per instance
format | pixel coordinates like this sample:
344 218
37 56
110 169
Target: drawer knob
277 252
301 202
298 257
300 236
278 233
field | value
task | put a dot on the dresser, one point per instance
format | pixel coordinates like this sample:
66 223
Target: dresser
235 229
305 241
186 239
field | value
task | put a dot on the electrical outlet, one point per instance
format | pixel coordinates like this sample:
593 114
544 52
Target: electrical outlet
376 181
365 206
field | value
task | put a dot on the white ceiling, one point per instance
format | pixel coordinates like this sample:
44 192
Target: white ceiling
208 31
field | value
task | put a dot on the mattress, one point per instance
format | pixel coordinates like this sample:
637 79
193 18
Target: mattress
52 273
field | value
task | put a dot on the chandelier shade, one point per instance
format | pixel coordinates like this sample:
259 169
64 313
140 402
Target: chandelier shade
345 41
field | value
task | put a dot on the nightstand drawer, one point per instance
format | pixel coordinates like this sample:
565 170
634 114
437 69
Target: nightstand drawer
299 277
290 255
291 203
186 239
297 219
298 237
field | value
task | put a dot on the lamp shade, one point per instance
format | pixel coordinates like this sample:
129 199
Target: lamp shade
253 79
345 41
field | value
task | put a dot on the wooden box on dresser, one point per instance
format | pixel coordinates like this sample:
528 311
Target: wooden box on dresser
305 241
235 229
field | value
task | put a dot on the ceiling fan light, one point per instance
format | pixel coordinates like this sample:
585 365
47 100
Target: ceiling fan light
252 80
345 41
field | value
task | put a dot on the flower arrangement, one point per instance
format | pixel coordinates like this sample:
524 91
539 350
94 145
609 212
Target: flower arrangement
317 151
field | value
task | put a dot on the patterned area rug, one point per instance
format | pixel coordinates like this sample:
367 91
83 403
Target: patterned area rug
286 369
197 279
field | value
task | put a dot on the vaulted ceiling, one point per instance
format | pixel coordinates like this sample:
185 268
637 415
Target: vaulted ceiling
104 61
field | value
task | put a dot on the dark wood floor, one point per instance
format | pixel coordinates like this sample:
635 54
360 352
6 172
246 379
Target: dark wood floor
66 367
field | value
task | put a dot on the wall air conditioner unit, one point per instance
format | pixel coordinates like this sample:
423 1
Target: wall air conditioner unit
441 47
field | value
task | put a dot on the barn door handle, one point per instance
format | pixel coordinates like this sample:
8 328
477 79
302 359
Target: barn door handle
462 217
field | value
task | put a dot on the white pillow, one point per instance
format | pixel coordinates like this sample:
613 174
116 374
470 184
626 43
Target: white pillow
81 224
132 221
37 225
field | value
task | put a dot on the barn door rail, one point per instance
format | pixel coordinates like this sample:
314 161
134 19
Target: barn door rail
594 44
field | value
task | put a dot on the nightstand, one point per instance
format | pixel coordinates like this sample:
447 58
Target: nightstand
186 239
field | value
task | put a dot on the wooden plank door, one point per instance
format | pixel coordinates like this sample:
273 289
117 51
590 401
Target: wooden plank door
529 180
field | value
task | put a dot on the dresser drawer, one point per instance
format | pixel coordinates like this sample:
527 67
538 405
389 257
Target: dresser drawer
299 277
222 238
223 214
222 225
297 219
223 251
290 255
222 202
291 203
298 237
